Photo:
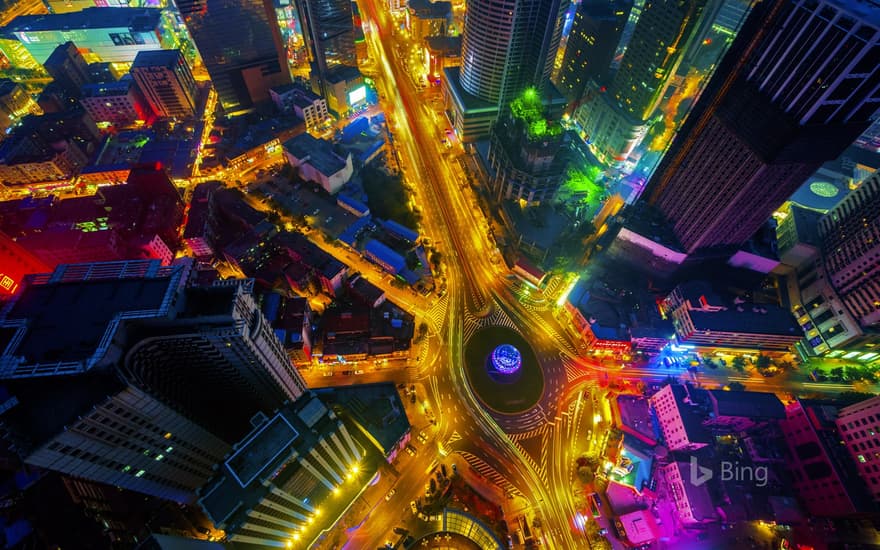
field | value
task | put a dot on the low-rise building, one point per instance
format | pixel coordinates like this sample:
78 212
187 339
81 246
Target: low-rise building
117 103
381 254
692 502
702 317
316 161
680 419
307 105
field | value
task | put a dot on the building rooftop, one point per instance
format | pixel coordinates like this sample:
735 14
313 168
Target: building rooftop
106 89
425 9
265 456
365 290
470 103
47 308
385 254
447 46
260 451
134 19
376 409
748 404
639 527
156 58
318 152
736 315
400 231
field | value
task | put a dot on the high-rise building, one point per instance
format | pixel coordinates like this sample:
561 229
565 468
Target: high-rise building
101 34
528 156
15 103
859 427
166 82
823 475
150 380
595 34
328 30
614 117
508 46
797 86
68 68
850 242
240 45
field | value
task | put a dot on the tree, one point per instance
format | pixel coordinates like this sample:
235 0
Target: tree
762 362
436 258
837 373
707 361
738 363
736 386
785 365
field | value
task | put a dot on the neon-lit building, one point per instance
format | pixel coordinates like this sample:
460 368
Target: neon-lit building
240 45
824 475
117 103
102 34
16 262
166 82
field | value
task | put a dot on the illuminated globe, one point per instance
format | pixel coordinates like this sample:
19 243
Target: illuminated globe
506 359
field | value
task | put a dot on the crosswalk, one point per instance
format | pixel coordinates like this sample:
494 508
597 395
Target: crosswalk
437 315
540 469
489 473
572 369
537 432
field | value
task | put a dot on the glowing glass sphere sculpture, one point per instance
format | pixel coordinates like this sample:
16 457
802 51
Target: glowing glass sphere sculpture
506 359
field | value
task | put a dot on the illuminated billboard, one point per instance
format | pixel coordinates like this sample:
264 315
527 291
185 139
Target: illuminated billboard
357 95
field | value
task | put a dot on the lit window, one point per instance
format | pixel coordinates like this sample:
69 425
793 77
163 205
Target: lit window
861 458
140 473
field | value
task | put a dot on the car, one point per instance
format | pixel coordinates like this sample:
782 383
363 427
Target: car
328 373
603 532
423 437
358 372
316 211
414 507
410 450
390 494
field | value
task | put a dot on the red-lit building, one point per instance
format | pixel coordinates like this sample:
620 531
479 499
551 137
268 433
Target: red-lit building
15 263
823 474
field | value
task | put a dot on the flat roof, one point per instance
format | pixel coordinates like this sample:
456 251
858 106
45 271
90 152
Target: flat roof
470 103
135 19
748 404
377 408
262 449
67 321
157 58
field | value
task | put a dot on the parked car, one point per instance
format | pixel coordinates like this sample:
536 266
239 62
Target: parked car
390 494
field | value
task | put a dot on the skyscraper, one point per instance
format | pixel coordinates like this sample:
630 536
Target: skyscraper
850 241
508 46
797 86
166 81
240 44
615 117
328 30
149 381
68 68
595 34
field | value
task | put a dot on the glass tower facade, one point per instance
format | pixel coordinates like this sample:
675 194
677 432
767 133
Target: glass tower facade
240 45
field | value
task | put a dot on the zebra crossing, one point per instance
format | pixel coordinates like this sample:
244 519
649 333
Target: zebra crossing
436 317
453 438
572 369
490 473
540 469
537 432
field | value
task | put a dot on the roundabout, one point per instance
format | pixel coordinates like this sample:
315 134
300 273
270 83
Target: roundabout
503 370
